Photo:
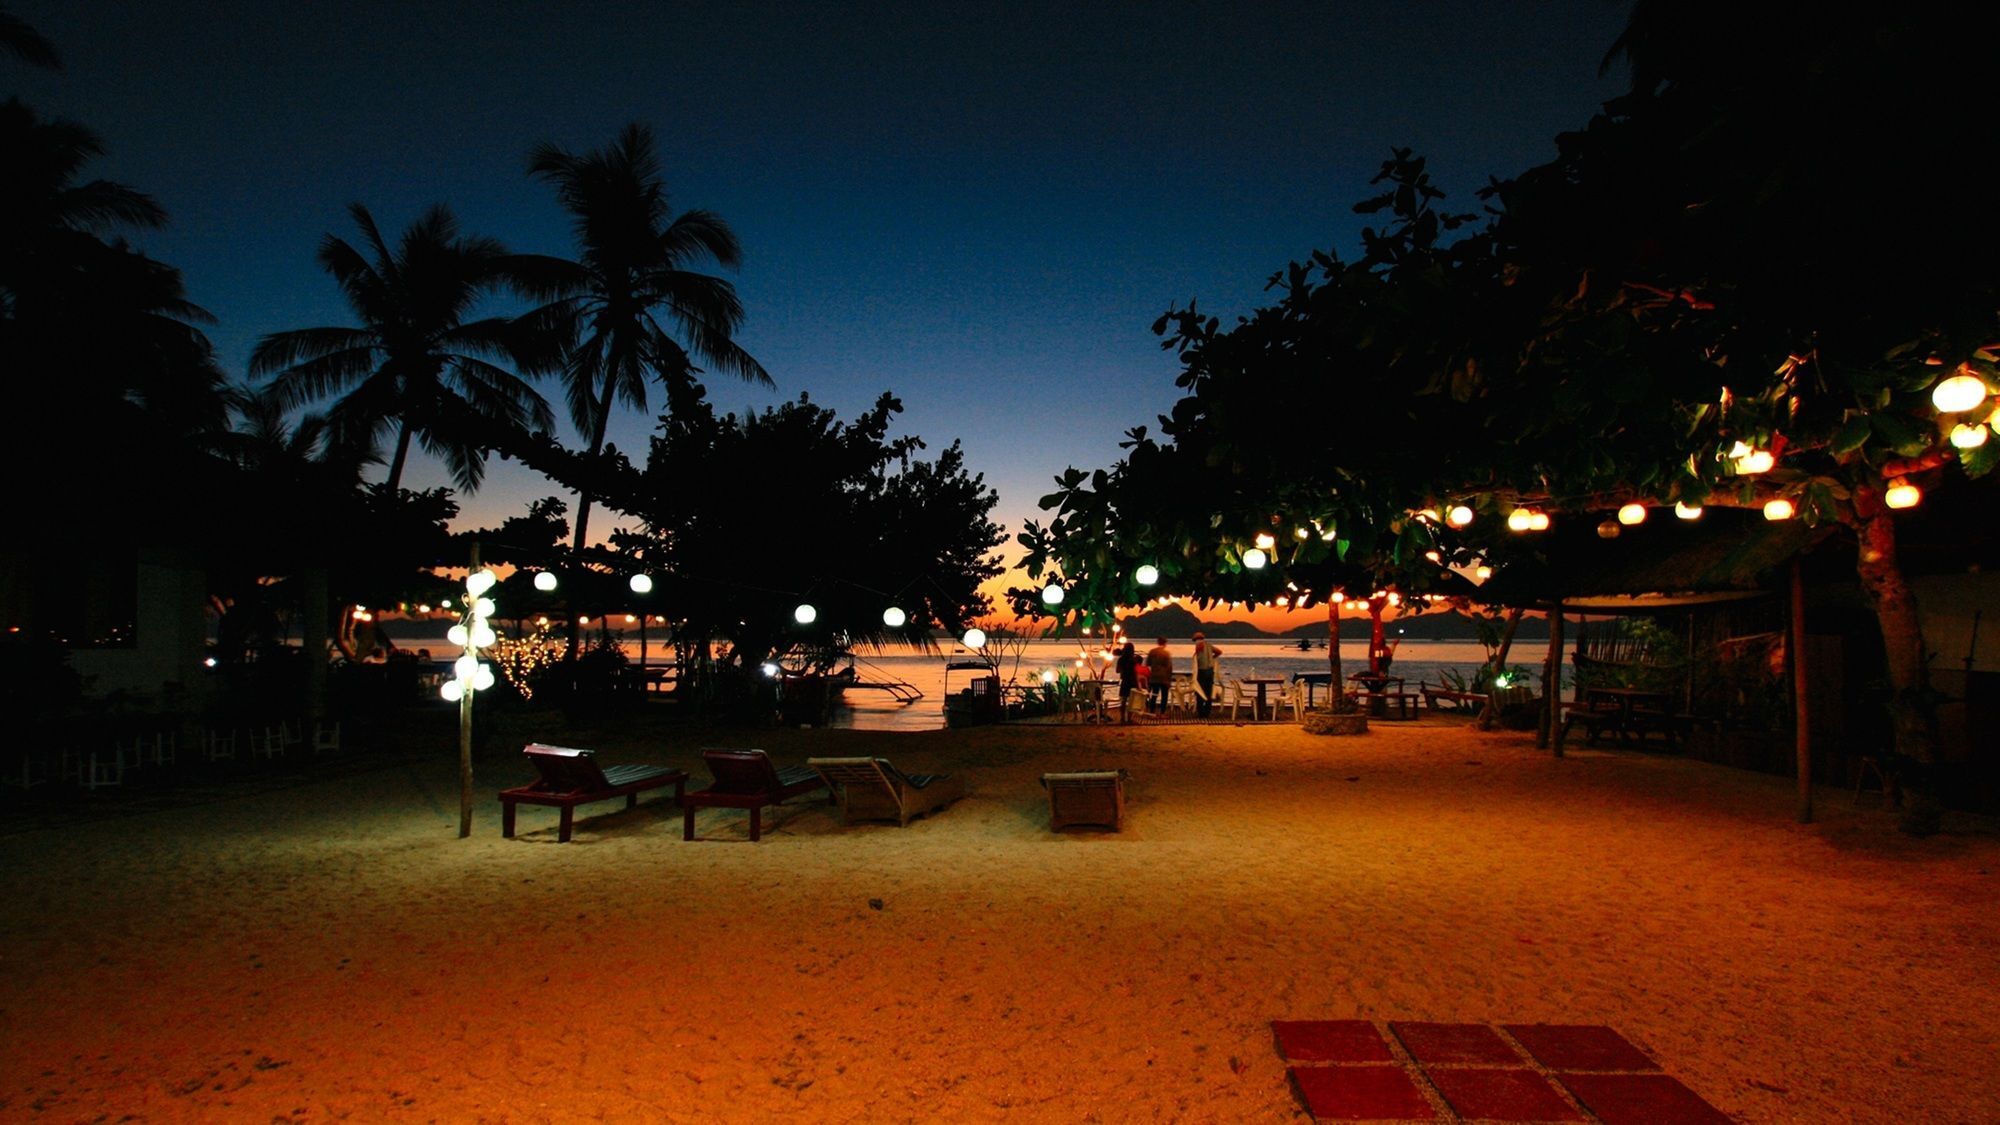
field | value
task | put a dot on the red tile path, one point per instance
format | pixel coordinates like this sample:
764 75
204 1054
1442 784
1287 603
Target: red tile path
1348 1070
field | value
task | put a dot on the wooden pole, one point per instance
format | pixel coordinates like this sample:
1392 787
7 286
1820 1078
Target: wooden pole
1552 685
1801 712
465 726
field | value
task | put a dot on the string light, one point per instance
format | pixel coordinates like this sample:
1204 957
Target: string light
805 614
545 581
1902 494
1458 516
1687 511
1266 540
641 583
1609 529
1052 594
1539 521
1959 393
894 617
1147 574
1254 559
1520 519
1632 515
1968 435
1482 572
1779 509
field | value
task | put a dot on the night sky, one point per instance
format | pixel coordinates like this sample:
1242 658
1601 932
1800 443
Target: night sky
980 208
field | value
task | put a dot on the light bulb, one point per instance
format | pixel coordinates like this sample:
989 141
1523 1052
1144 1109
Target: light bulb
974 638
1520 519
482 635
1902 494
456 635
769 669
1779 509
1052 594
1968 435
479 581
894 617
1266 541
1756 461
484 607
1482 573
1538 521
545 581
1253 559
1147 574
1609 529
1687 511
805 614
641 583
1458 516
1048 675
482 680
452 690
1632 515
1958 393
465 667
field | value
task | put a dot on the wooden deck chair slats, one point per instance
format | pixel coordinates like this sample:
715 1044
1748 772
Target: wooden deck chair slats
872 789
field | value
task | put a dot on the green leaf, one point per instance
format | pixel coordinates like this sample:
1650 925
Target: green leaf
1901 436
1851 435
1978 462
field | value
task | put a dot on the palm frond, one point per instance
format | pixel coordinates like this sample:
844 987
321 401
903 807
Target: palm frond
324 376
25 43
281 350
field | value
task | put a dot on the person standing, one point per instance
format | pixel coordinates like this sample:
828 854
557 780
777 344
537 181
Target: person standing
1128 680
1160 676
1204 675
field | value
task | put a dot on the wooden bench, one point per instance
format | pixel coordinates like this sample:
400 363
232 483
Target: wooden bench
747 779
1087 797
571 777
1379 703
1452 696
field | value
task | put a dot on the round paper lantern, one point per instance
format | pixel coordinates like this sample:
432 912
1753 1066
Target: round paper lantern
641 583
1520 519
974 638
805 614
479 581
1958 393
482 680
452 690
1458 516
1632 515
1052 594
482 635
1539 521
484 607
1254 559
545 581
894 617
1147 574
1609 529
456 635
1779 509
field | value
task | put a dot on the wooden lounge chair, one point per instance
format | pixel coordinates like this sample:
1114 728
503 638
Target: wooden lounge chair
872 789
746 779
1088 797
572 777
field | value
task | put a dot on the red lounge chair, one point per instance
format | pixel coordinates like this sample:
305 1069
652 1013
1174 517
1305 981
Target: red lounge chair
746 779
573 777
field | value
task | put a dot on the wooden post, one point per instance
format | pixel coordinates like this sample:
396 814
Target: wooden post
1801 712
465 727
1552 685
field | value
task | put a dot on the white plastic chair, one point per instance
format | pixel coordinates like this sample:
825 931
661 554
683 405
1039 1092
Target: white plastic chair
326 739
1238 698
219 744
165 743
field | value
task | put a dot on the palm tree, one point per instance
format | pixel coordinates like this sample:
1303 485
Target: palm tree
607 308
414 360
25 43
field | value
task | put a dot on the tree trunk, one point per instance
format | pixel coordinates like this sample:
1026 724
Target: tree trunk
313 633
583 500
1552 686
1334 686
1801 716
1903 647
1489 712
465 731
402 457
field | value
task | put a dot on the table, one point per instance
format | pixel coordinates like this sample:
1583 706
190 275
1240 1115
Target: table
1627 711
1263 685
1311 680
1378 691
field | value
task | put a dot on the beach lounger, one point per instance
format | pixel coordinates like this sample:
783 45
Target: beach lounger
746 779
1088 797
872 789
572 777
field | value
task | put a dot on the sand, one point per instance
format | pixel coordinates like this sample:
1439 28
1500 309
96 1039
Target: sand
334 951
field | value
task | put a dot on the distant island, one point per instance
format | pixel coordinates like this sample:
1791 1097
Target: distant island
1448 625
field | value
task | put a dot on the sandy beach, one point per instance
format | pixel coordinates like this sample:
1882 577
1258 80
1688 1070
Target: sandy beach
331 950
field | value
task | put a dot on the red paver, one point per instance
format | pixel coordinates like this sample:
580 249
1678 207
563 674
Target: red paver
1456 1043
1342 1041
1642 1099
1567 1047
1502 1095
1362 1093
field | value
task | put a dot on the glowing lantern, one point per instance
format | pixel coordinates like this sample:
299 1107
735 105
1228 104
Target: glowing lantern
482 635
1632 515
1395 598
423 609
1609 529
1458 516
1253 559
1902 494
1482 572
479 581
1779 509
1687 511
1520 519
1968 435
1338 597
1266 541
641 583
545 581
974 638
894 617
583 619
805 614
456 635
1958 394
465 667
1300 533
482 680
1147 574
1538 521
1052 594
484 607
769 669
452 690
1048 675
1433 556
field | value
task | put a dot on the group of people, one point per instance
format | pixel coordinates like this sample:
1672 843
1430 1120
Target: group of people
1153 677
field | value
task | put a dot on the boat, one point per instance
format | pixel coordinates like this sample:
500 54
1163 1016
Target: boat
806 698
978 702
